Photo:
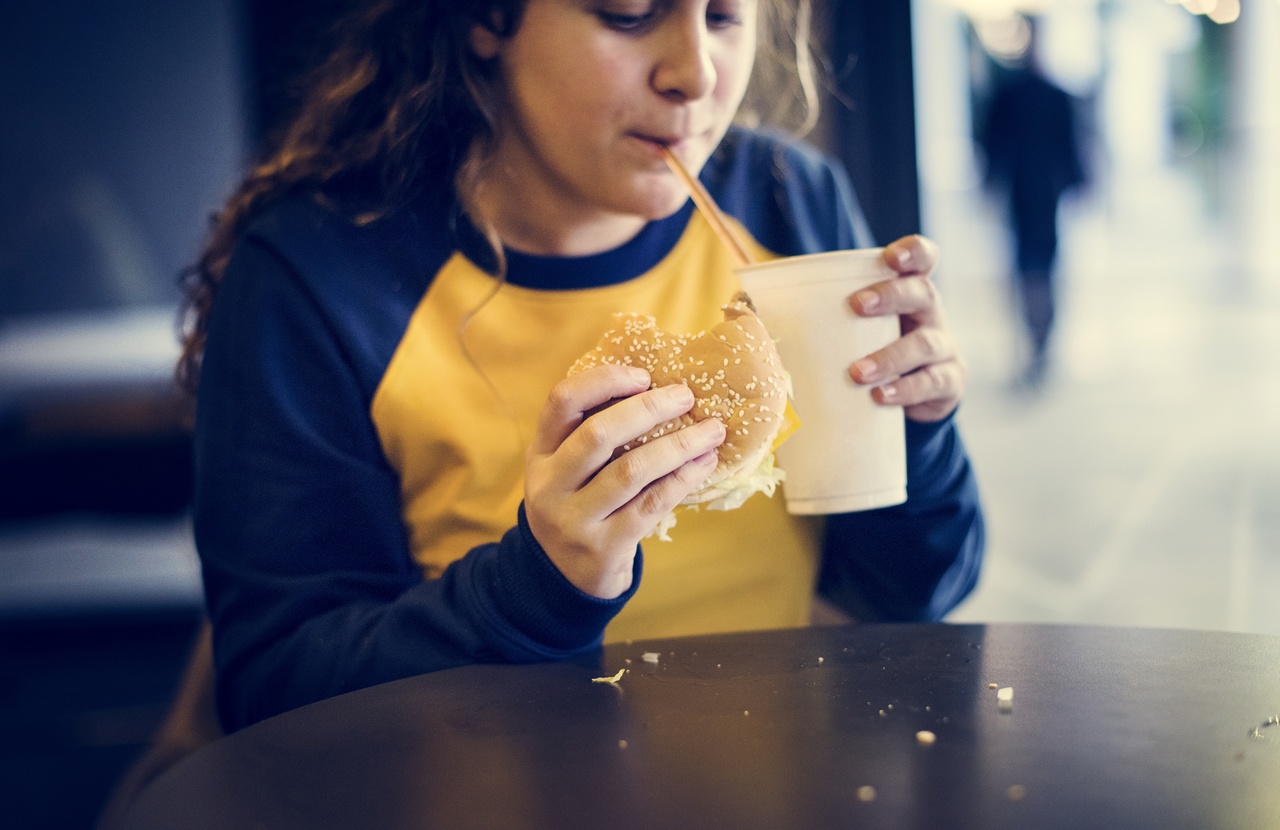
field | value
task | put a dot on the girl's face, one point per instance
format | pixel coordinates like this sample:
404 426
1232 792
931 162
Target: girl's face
592 90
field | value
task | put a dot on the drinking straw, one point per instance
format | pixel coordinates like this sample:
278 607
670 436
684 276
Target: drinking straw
709 209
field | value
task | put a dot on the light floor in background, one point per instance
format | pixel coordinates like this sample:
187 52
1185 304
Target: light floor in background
1142 485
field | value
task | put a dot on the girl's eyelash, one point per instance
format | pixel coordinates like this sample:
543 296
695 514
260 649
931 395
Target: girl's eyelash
637 22
625 22
723 21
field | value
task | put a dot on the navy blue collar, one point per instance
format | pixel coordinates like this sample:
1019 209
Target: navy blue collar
626 262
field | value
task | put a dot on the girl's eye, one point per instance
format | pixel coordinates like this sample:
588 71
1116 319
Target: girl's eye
626 22
723 21
723 14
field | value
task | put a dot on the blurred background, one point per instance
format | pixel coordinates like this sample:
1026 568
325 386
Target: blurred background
1128 442
1136 481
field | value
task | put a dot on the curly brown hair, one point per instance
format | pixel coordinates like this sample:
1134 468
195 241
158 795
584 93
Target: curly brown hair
401 102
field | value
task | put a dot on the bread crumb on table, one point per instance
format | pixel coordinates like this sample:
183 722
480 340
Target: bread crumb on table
614 679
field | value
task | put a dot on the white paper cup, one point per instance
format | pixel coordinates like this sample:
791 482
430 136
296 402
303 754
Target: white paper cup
850 452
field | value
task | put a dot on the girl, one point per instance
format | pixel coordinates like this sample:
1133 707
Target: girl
393 473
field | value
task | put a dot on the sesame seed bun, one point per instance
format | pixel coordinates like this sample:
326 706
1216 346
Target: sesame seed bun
736 377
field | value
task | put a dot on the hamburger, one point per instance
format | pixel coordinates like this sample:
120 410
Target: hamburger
736 377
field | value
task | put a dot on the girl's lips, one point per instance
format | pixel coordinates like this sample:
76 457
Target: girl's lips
659 142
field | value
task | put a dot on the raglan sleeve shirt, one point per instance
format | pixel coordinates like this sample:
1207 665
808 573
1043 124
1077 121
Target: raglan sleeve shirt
308 575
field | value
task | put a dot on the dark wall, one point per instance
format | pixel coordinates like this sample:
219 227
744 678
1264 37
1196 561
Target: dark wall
872 121
282 39
122 129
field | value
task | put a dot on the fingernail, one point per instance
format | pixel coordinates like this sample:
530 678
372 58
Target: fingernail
864 369
867 300
904 258
680 394
638 375
888 393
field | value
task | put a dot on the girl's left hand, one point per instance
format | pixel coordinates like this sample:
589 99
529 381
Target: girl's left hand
922 371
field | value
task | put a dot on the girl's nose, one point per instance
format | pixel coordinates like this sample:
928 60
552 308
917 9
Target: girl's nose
684 68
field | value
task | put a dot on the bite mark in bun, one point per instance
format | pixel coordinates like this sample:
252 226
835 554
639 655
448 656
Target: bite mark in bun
736 377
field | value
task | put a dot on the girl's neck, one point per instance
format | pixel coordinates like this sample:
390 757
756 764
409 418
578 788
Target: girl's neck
530 217
525 227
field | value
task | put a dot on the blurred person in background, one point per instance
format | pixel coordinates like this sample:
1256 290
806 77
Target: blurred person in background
1030 137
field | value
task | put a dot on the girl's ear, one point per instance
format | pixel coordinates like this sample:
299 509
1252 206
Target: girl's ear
485 42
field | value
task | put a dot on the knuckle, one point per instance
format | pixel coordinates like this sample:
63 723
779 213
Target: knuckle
888 362
915 247
629 470
685 441
891 291
928 248
934 343
653 404
651 503
560 398
929 295
596 432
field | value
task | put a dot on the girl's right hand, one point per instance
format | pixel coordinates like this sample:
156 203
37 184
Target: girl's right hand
590 510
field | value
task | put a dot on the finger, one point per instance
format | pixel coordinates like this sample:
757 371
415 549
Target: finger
914 254
637 468
594 442
658 499
915 296
922 347
645 483
569 401
929 394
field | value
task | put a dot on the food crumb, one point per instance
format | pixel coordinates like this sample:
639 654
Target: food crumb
1004 699
650 656
746 713
613 679
866 793
993 685
1016 792
622 744
820 659
925 737
882 714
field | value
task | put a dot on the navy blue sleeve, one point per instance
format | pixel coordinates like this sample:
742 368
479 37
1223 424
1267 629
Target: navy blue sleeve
308 576
793 198
919 559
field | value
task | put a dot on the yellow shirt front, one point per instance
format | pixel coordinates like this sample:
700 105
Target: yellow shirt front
460 399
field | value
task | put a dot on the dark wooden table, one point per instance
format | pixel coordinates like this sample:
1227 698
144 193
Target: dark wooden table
813 728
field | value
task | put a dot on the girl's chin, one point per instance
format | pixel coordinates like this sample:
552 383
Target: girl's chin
663 203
